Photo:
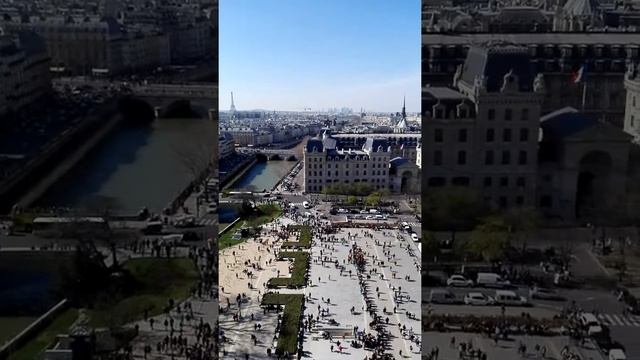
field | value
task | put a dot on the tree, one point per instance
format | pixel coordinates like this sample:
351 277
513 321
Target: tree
352 200
522 222
430 246
489 239
198 157
372 199
452 208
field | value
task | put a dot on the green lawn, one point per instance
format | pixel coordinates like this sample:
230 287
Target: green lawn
159 280
269 212
288 337
300 265
305 238
11 326
60 325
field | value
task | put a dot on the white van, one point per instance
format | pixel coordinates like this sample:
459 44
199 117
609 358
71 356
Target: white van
617 354
491 280
306 205
509 298
590 323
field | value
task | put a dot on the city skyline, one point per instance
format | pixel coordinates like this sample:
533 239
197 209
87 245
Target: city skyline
358 55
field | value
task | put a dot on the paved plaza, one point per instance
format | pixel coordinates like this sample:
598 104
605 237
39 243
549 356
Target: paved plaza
335 295
387 275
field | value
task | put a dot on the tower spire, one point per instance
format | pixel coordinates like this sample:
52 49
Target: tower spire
404 112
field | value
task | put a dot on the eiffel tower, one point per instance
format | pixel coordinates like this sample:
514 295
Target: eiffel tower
233 107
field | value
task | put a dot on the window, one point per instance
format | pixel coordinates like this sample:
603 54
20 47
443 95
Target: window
508 114
524 135
522 157
460 181
504 181
503 202
436 181
437 157
491 114
346 173
519 200
439 113
438 135
462 135
524 115
506 135
487 181
488 157
520 181
490 135
506 157
462 157
545 201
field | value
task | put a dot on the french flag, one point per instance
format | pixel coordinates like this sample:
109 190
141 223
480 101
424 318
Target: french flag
579 76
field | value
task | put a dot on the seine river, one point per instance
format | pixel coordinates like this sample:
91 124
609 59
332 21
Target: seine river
135 167
262 175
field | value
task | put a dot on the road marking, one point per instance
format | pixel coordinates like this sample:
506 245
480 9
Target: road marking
593 257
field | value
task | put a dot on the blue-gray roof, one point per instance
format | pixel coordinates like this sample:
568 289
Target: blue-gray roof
375 145
495 62
395 162
314 145
566 124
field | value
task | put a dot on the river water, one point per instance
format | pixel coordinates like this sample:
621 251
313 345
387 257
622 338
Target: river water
263 175
135 167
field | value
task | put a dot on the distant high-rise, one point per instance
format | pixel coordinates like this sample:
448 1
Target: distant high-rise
233 107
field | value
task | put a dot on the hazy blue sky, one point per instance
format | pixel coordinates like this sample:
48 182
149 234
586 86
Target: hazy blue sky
292 54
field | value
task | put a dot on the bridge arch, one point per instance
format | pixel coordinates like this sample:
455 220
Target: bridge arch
135 110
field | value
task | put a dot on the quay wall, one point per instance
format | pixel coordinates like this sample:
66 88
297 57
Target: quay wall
237 173
53 160
32 330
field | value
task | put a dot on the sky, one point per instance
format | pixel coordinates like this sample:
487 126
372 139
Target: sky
320 54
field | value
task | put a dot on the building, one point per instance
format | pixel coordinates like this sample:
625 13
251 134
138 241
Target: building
333 160
488 132
226 145
632 103
557 56
24 68
483 132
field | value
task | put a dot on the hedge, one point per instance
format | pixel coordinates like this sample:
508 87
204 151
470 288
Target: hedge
298 275
288 336
305 238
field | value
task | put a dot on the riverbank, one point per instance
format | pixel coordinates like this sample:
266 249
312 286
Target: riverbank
237 173
25 186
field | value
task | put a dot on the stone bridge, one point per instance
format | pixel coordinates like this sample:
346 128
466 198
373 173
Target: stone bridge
271 154
202 98
161 97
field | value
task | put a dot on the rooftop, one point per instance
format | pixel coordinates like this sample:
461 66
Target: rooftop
604 38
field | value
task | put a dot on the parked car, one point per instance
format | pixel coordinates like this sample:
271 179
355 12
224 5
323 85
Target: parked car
459 280
415 237
478 298
545 294
442 296
491 280
510 298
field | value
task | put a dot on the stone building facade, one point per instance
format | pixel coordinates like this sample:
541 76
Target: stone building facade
556 55
483 132
24 70
488 132
333 160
